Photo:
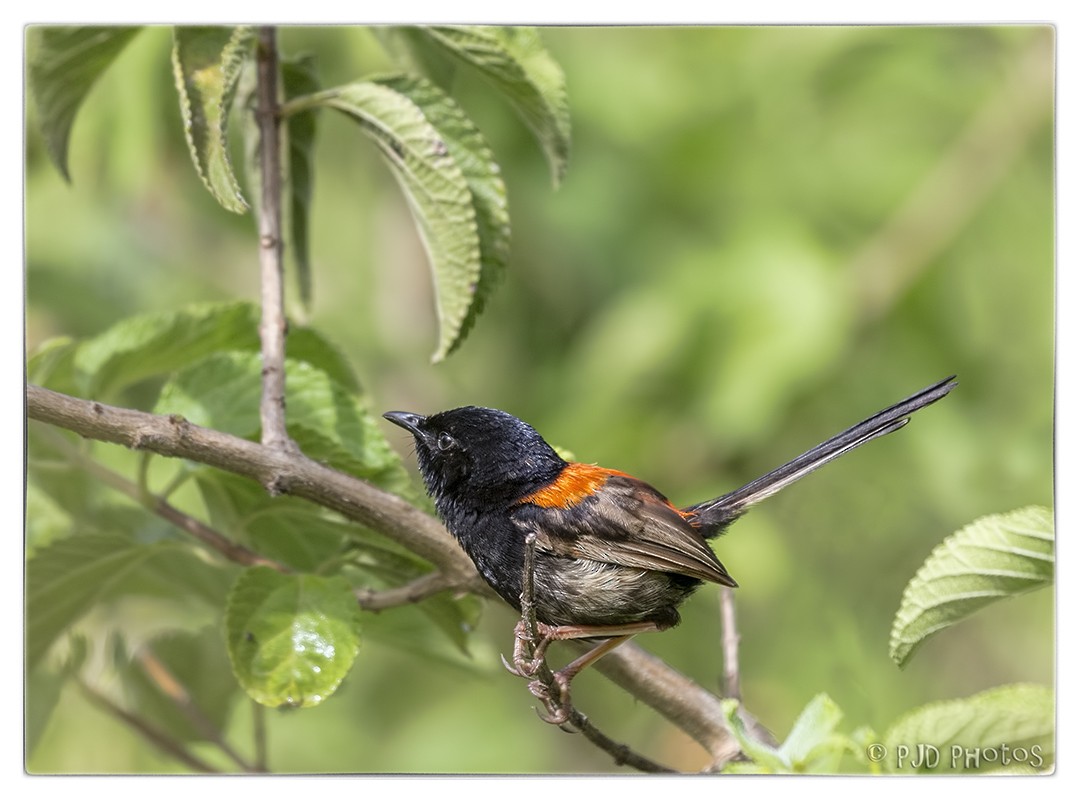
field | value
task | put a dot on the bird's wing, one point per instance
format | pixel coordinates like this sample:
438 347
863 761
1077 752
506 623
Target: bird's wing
623 521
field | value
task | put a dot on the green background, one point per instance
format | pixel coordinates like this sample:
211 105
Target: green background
695 304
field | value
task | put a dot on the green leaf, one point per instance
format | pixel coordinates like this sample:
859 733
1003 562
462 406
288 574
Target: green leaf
155 344
813 746
330 423
42 696
437 190
147 345
417 631
812 731
62 67
53 365
298 78
67 578
514 61
284 528
292 638
198 662
994 557
1002 727
416 53
207 60
763 755
297 534
472 154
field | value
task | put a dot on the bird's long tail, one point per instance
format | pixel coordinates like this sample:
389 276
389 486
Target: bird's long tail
712 516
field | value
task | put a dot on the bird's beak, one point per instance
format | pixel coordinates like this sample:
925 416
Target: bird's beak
409 421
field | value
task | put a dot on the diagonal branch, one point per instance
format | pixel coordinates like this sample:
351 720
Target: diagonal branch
158 738
686 704
172 688
277 471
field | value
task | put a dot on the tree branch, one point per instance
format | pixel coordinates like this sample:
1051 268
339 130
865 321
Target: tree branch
689 706
730 643
161 677
278 472
161 740
272 327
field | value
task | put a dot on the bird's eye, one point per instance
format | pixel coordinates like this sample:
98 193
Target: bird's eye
446 441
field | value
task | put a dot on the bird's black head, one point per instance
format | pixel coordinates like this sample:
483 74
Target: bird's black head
480 455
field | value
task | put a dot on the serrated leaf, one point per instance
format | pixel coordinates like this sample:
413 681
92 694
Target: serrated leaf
329 423
298 77
515 62
997 556
471 153
64 64
975 733
157 344
414 51
67 578
435 186
291 638
207 61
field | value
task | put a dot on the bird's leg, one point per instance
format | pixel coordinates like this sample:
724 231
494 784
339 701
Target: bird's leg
529 650
532 639
559 707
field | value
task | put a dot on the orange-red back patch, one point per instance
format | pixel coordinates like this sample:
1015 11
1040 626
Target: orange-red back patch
574 484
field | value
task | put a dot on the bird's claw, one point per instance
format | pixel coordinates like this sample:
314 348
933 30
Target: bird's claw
521 667
557 709
528 653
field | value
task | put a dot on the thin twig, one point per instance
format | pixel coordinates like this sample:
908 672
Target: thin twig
163 678
234 552
406 594
528 591
157 737
621 753
272 327
258 719
729 643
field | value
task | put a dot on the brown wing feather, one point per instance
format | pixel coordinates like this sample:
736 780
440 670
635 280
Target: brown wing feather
630 524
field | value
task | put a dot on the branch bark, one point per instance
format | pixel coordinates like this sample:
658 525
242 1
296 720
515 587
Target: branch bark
272 327
686 704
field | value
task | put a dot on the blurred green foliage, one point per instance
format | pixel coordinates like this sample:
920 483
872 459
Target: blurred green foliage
684 307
